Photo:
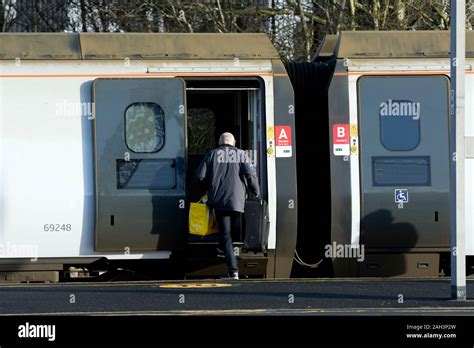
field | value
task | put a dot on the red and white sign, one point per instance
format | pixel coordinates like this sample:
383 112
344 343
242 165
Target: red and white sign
340 139
283 141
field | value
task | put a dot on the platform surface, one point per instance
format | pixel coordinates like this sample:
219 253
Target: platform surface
366 296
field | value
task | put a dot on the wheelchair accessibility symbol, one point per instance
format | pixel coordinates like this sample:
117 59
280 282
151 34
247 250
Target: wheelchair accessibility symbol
401 197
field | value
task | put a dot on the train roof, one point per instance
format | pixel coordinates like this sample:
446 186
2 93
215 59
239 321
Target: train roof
135 46
391 44
327 46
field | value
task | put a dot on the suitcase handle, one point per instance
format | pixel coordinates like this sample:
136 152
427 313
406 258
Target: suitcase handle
252 197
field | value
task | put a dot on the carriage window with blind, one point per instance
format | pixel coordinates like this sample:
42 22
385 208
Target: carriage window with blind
144 127
201 130
401 171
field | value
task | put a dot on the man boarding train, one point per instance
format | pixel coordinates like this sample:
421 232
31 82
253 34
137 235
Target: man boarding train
226 181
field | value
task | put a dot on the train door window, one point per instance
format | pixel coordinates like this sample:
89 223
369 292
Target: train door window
398 117
144 127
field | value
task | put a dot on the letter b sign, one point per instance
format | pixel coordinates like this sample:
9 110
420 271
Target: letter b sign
340 139
341 132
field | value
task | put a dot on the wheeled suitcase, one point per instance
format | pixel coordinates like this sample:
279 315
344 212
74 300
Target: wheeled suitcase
256 226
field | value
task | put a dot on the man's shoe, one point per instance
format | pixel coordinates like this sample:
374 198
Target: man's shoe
234 276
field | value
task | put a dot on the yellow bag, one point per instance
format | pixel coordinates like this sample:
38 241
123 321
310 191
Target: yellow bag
202 221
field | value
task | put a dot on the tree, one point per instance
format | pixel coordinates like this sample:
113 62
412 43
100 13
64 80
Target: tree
296 27
38 15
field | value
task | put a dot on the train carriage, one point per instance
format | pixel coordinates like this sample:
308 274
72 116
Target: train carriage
374 108
101 134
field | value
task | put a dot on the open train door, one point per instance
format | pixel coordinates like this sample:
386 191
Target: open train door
140 160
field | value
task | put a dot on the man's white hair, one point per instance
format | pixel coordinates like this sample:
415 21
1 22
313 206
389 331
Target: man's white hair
226 139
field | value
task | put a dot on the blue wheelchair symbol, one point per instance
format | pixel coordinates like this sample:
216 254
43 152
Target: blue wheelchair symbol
401 196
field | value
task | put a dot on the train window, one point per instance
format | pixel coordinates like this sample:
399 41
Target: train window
201 130
144 127
401 171
399 124
153 174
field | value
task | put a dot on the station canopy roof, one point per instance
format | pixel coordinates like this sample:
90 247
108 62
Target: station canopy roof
135 46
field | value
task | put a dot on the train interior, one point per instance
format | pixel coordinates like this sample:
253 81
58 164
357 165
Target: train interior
214 107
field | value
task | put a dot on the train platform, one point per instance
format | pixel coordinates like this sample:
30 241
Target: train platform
368 296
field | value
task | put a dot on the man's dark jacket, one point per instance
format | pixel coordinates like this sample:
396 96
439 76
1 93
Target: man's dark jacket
225 171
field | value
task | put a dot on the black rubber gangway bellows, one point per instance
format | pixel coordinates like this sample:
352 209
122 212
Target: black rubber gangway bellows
310 84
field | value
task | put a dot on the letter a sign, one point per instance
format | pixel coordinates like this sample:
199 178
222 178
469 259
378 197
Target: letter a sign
283 141
340 139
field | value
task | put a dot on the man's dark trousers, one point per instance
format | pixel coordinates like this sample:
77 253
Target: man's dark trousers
229 223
